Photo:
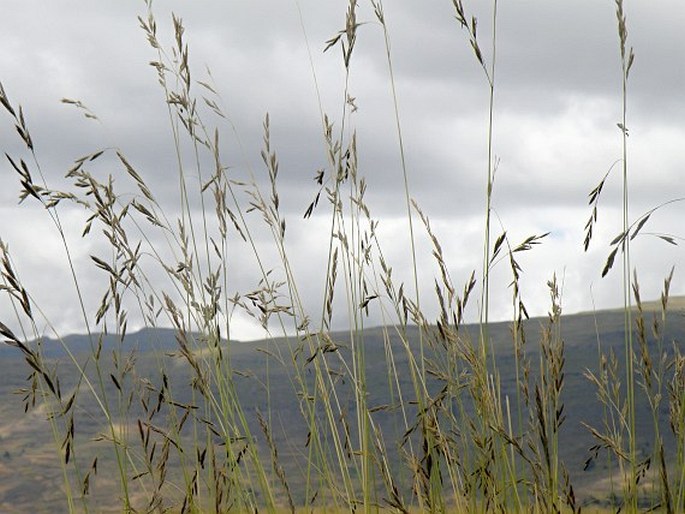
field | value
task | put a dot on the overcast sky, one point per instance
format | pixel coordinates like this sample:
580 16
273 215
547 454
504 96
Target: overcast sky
557 103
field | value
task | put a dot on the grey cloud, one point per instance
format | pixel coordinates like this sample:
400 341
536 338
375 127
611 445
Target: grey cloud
557 104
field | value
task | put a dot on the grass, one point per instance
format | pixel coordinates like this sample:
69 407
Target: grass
457 440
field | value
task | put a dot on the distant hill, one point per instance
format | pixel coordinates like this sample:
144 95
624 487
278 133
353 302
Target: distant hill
26 442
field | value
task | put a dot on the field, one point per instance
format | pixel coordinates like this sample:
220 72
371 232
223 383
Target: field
28 448
421 402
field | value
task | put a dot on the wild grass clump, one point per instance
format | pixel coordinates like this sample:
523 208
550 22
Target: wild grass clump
438 432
